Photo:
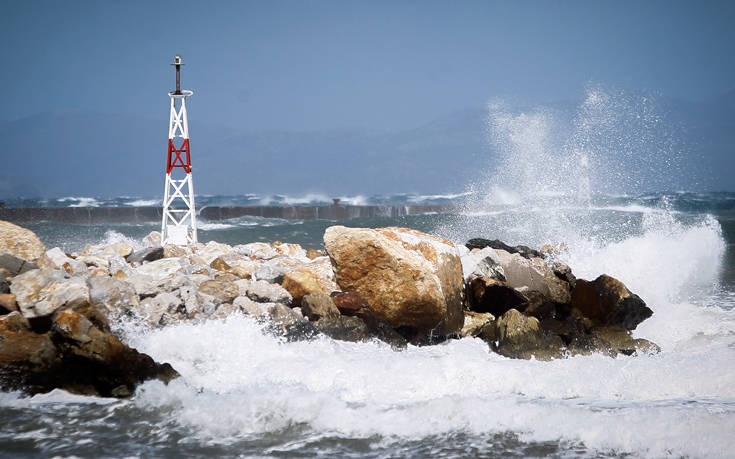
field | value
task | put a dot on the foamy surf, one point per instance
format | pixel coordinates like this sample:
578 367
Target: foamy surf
239 383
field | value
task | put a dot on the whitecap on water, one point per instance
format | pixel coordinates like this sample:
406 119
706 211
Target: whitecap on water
239 383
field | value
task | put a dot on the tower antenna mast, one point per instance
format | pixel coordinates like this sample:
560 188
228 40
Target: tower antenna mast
178 224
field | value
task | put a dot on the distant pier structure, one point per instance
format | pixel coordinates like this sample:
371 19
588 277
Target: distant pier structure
178 225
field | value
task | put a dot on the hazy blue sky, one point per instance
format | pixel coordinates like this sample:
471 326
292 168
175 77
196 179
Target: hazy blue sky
379 64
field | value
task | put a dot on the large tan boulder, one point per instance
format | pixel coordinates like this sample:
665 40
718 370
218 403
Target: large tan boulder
20 242
411 279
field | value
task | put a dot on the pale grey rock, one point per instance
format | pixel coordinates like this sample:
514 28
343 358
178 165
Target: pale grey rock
150 286
115 296
535 275
257 250
244 304
117 264
59 260
159 269
152 309
264 292
153 239
200 270
272 270
213 250
143 285
40 292
482 263
94 260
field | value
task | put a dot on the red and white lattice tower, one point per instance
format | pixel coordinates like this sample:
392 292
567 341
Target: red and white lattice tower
179 214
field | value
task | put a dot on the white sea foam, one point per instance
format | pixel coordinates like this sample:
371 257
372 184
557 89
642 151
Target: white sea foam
80 201
238 382
309 198
419 198
114 237
208 226
144 203
358 200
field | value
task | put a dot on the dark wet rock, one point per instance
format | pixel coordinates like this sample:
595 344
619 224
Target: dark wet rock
4 284
488 333
28 361
352 304
94 314
14 322
494 296
622 342
317 306
91 358
383 332
564 272
343 328
540 307
587 344
607 302
149 254
15 265
520 336
73 355
522 250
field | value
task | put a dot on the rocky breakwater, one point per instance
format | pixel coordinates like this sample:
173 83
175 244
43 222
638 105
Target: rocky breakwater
525 303
59 312
52 335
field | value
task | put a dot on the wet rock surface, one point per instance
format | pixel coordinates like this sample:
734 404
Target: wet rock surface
412 279
395 285
72 354
606 301
522 250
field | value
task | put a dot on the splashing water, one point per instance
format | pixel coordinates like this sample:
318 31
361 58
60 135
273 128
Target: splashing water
244 392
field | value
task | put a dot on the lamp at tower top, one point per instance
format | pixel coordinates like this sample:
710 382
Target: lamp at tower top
178 63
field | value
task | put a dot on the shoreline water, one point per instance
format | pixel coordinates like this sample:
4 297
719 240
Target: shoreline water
254 394
118 214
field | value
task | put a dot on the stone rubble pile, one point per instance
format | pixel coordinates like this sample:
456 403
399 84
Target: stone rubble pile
397 285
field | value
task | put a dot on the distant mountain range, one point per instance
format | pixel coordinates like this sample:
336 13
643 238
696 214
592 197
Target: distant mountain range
95 154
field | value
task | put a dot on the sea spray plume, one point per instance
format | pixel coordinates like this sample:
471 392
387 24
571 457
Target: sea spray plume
554 165
628 141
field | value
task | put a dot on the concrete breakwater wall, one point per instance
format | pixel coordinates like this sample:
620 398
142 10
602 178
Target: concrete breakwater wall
91 215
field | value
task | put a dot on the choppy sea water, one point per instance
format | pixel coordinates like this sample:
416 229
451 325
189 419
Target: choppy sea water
575 181
246 393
